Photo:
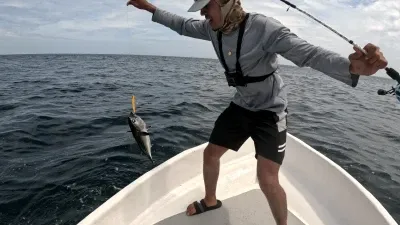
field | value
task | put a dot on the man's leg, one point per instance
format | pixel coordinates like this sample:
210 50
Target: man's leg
230 132
267 173
211 157
269 135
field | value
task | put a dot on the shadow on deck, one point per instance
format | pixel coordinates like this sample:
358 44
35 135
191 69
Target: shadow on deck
248 208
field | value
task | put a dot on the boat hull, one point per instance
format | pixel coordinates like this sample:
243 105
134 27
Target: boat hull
318 192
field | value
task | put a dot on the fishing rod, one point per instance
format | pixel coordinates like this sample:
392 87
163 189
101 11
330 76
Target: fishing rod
389 71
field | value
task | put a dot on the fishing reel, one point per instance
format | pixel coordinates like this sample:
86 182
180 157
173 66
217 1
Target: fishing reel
394 90
389 92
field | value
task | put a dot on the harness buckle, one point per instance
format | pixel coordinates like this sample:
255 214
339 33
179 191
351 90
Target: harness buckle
235 78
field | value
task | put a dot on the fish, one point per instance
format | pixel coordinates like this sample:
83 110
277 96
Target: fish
139 131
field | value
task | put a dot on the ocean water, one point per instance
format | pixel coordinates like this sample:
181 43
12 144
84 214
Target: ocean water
65 149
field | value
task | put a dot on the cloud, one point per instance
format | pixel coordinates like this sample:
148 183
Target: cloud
86 29
76 23
6 33
15 4
388 13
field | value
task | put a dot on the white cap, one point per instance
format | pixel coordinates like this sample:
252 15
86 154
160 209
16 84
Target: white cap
198 5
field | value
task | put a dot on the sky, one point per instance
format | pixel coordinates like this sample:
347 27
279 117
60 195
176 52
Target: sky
110 27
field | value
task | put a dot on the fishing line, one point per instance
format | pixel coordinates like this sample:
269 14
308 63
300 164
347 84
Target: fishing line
127 19
389 71
130 31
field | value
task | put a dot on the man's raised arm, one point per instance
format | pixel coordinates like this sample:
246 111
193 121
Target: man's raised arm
184 26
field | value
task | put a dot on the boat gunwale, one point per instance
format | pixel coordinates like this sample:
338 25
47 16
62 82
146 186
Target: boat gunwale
373 200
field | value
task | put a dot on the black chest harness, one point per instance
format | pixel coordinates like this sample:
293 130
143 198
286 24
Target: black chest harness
236 78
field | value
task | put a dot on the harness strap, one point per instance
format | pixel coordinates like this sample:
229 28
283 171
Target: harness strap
239 45
246 79
220 51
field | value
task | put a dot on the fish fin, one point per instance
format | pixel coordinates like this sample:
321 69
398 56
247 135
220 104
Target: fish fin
144 133
134 104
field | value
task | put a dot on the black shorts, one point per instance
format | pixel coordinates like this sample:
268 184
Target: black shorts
236 124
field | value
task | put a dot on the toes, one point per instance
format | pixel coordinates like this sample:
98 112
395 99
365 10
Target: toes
193 210
190 210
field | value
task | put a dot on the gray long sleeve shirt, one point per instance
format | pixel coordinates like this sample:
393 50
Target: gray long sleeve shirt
263 39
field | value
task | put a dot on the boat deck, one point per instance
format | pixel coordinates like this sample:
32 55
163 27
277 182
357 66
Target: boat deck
248 208
243 201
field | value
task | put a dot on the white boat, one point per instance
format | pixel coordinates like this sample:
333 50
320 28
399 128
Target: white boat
319 192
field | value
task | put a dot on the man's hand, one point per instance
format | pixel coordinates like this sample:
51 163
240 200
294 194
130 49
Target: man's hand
142 4
369 64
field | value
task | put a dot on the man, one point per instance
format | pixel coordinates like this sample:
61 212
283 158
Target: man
258 109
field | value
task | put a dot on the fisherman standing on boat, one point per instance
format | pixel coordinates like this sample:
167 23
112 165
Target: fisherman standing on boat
247 45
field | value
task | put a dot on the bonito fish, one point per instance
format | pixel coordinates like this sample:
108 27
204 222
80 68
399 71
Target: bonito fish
139 131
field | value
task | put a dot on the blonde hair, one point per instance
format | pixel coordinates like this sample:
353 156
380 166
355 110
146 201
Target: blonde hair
232 15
